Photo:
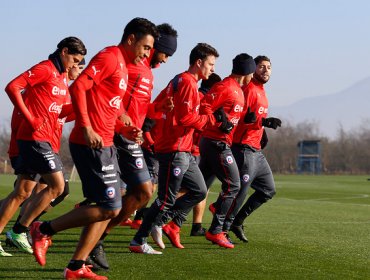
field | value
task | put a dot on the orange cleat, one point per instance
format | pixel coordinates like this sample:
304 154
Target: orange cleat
172 231
83 273
219 239
40 243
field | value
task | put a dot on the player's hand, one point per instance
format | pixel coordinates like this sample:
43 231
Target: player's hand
125 119
133 133
38 123
93 140
271 122
250 117
165 105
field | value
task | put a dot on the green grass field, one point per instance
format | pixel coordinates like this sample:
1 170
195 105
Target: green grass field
317 227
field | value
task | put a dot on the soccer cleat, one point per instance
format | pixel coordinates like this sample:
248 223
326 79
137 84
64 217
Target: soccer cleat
83 273
126 223
156 234
20 240
94 266
239 232
228 238
98 255
219 239
41 243
135 224
198 232
8 240
142 248
3 253
172 231
212 208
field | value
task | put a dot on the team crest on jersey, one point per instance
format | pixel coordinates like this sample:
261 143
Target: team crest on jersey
52 164
245 178
111 192
229 159
139 163
177 171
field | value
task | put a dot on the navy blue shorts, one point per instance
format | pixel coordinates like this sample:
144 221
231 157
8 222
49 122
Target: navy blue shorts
99 173
38 157
134 170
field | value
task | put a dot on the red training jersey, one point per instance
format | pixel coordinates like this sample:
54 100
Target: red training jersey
139 91
256 99
179 124
229 95
108 71
47 91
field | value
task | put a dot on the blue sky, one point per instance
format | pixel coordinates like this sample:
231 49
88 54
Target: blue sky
316 47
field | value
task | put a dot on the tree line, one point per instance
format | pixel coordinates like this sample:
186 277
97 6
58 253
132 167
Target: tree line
348 153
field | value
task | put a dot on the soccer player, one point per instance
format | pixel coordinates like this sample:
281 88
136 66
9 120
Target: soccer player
254 169
96 98
177 166
216 157
134 171
46 90
66 115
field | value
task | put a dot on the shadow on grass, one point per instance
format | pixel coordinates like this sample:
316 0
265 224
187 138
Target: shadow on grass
29 271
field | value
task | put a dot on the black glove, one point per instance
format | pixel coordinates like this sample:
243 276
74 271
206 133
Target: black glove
220 115
250 117
264 139
226 127
148 124
271 122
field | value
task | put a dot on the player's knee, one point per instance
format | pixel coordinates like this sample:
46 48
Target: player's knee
146 192
110 214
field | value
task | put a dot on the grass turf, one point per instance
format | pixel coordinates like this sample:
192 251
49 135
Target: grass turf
316 227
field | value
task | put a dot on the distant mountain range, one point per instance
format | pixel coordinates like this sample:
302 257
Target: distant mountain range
347 109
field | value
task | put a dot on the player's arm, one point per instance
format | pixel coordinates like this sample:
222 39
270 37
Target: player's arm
78 94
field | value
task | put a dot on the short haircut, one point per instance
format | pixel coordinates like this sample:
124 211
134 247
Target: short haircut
73 44
140 27
202 51
260 58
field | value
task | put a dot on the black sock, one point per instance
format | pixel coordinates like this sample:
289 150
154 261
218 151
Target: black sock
75 264
45 228
140 213
19 217
18 228
196 226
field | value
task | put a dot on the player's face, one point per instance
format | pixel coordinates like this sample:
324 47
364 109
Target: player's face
263 72
70 60
206 67
141 48
158 57
75 72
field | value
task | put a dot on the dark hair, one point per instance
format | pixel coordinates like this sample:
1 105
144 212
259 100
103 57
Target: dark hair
206 85
73 44
260 58
201 51
167 29
140 27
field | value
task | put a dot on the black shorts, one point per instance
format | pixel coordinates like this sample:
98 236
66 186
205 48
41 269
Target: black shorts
38 157
134 170
99 173
153 165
